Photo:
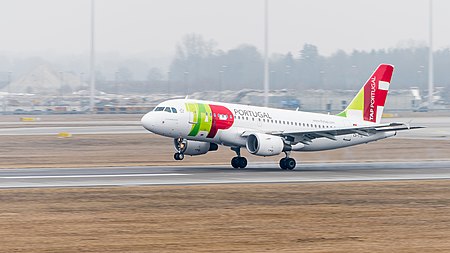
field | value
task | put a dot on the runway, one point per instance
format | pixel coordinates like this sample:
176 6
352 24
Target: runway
255 173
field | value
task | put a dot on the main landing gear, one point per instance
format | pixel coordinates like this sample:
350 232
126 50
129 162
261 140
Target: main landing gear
238 161
287 163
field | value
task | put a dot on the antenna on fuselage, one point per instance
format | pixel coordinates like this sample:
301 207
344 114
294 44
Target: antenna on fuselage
298 108
187 96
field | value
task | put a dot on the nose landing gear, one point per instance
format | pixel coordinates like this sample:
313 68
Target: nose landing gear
178 156
180 147
238 161
287 163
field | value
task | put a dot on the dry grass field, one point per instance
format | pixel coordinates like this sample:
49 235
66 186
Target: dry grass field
403 216
395 216
150 149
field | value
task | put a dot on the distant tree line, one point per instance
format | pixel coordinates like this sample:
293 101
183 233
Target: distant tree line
198 65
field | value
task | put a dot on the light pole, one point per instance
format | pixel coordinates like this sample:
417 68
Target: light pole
9 82
6 97
266 53
273 80
420 76
61 78
322 79
81 79
168 83
220 83
430 58
355 77
287 72
186 86
92 60
116 82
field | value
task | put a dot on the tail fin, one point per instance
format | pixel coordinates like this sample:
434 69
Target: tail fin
368 104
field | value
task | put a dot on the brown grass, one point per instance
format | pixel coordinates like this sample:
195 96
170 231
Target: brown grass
406 216
149 149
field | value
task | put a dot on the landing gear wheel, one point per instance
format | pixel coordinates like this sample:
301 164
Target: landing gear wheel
239 162
242 162
283 163
290 163
178 156
234 162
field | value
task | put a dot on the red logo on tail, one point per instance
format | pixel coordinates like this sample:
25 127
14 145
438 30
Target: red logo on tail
373 95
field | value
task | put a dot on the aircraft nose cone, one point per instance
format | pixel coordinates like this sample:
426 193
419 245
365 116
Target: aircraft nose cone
148 121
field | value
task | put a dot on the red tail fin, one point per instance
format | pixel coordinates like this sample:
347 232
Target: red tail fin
375 92
368 104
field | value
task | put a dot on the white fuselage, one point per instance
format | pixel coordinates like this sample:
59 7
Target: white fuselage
243 118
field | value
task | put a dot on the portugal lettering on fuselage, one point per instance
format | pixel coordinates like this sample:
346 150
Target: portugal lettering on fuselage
250 113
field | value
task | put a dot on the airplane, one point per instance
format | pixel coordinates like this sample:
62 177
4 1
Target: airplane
198 127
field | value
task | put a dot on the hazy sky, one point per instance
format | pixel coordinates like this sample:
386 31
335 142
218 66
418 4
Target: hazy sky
134 26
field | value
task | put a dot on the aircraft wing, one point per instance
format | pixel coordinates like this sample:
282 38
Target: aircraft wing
306 137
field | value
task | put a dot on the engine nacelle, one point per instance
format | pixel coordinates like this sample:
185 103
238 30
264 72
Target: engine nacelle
194 147
264 144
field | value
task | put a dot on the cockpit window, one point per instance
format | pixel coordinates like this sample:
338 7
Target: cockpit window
158 109
167 109
174 110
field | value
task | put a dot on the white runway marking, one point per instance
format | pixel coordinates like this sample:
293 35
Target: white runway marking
94 176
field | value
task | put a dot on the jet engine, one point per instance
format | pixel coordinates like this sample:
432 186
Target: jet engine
264 144
188 147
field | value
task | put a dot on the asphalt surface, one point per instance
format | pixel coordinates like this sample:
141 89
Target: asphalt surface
255 173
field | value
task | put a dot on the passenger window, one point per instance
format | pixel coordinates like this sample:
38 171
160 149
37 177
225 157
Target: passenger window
174 110
167 109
